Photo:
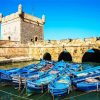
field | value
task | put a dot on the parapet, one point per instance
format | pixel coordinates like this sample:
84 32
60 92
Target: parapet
92 39
22 15
33 18
10 17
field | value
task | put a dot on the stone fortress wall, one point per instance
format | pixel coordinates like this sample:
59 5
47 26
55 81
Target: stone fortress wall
21 27
22 36
30 31
76 47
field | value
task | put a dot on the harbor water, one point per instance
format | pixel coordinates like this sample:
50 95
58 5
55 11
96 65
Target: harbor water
8 92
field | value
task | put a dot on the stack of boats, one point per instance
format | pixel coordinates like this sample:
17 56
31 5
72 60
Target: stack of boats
56 77
42 82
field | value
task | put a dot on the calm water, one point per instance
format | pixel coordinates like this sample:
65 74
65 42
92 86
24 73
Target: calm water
9 93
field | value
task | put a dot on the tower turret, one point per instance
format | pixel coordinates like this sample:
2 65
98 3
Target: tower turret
43 18
20 10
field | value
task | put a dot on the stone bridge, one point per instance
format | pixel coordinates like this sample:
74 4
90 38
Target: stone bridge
71 50
76 50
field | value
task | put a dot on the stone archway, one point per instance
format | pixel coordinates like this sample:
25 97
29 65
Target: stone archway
47 56
91 55
64 55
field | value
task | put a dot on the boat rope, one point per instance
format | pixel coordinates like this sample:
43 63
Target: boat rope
22 91
76 95
42 95
23 88
15 95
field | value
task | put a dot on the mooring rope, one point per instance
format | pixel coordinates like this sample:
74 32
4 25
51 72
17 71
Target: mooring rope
15 95
77 95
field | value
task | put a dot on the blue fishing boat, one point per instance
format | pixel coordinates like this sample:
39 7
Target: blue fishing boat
60 86
82 78
37 74
72 68
31 72
42 83
87 72
75 67
5 75
10 74
31 68
89 84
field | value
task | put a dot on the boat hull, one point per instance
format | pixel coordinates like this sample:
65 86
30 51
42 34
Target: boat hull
57 92
32 88
84 86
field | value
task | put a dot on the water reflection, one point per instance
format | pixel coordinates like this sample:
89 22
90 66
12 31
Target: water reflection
47 96
18 64
22 64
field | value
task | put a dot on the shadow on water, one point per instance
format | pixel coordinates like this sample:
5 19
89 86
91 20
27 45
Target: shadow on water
17 64
74 95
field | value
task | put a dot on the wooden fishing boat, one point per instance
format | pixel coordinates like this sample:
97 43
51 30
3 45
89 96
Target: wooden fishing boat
5 75
20 79
42 83
60 86
89 84
27 72
87 72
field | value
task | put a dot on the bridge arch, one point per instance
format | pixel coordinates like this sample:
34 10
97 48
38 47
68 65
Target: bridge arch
47 56
91 55
65 55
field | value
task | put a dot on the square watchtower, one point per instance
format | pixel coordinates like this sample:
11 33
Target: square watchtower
22 27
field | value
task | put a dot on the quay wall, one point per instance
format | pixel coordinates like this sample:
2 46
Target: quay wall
36 50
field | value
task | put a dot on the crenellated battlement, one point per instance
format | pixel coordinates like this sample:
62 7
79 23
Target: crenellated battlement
10 17
22 15
22 27
31 18
36 50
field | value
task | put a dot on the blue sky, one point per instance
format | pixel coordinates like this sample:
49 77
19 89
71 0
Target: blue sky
64 18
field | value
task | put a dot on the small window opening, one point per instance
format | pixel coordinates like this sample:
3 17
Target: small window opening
36 38
9 38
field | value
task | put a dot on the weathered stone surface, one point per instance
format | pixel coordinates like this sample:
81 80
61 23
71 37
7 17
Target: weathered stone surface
22 36
9 52
10 30
30 31
22 27
38 49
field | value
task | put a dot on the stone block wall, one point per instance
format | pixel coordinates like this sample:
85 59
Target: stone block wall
30 31
9 52
76 48
9 49
10 29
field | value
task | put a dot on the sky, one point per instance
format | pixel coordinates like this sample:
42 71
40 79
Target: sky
64 18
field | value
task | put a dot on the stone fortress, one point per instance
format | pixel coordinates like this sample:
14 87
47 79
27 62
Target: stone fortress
22 37
22 27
